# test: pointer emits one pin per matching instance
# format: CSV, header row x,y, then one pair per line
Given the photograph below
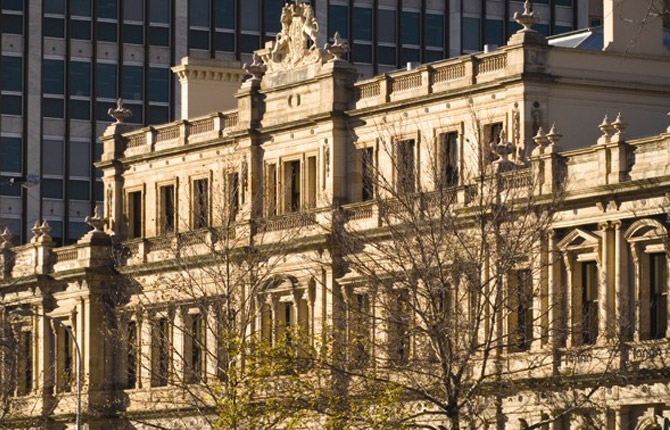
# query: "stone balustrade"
x,y
457,72
180,133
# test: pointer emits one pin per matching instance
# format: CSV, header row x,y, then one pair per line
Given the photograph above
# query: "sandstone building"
x,y
310,151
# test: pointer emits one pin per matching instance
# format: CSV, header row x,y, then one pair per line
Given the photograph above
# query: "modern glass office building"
x,y
64,62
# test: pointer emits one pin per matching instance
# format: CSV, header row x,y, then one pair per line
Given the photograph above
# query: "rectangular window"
x,y
80,8
133,10
133,33
589,302
198,15
398,326
225,14
131,355
132,88
53,78
200,203
106,9
56,230
80,78
159,11
494,32
233,194
52,189
367,174
24,363
76,230
159,84
107,31
249,15
11,155
362,26
448,161
405,166
195,343
411,31
54,6
161,353
11,72
658,296
134,214
167,213
67,361
16,5
386,32
471,34
78,190
105,82
271,187
80,159
434,31
359,329
521,298
292,179
338,20
311,182
273,10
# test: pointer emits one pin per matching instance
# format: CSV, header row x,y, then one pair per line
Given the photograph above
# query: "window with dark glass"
x,y
106,31
471,33
80,78
167,212
224,41
158,114
80,159
367,174
54,6
107,9
195,343
338,20
273,10
161,352
448,159
11,85
271,187
293,182
11,154
68,362
52,158
53,27
359,329
562,29
24,363
544,29
386,35
521,307
250,15
159,84
76,230
310,182
658,295
131,355
224,11
411,33
362,34
434,32
494,32
105,82
52,188
80,8
233,194
398,327
198,13
159,11
405,166
249,43
132,82
134,214
133,10
11,23
200,203
56,231
133,33
589,303
15,5
53,77
563,2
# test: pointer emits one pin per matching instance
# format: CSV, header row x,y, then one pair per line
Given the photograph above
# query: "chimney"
x,y
633,27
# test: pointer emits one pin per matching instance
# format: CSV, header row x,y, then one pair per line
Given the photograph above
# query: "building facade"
x,y
308,141
64,63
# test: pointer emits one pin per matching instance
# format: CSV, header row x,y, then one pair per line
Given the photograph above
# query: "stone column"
x,y
211,353
568,325
604,322
620,284
176,323
145,356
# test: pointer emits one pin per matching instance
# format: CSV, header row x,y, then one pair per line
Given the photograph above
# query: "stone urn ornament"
x,y
119,113
338,48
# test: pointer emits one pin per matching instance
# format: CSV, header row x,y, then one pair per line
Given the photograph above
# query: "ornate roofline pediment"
x,y
578,238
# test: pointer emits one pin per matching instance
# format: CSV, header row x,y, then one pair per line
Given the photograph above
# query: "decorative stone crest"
x,y
528,18
296,43
120,113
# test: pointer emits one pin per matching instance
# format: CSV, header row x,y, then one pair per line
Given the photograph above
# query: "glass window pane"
x,y
80,78
362,25
471,34
133,10
198,39
11,105
159,36
52,157
542,28
53,76
562,29
132,83
386,32
513,27
434,30
431,56
52,188
80,29
158,115
386,55
78,190
361,53
106,31
224,14
11,154
105,82
337,20
410,28
563,2
56,230
159,84
12,5
159,11
52,108
11,73
224,41
77,230
107,9
80,109
136,117
249,15
101,109
11,24
248,43
494,32
409,55
98,191
273,10
54,6
54,27
198,13
133,33
80,7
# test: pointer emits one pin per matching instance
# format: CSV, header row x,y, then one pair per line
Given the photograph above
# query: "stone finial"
x,y
256,68
45,229
37,232
619,124
119,113
96,221
540,138
502,148
606,127
5,239
528,18
553,136
338,48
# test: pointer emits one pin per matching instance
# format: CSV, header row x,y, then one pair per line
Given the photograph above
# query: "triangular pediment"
x,y
578,238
